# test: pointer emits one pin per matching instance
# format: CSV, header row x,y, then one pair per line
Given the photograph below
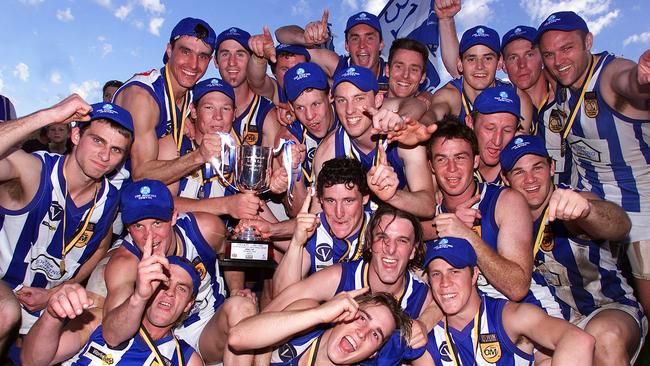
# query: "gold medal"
x,y
555,121
591,104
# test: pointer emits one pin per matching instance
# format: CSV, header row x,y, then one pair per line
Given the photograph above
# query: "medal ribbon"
x,y
154,349
450,341
177,132
227,153
249,117
574,112
540,232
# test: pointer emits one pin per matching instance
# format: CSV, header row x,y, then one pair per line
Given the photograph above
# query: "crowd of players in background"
x,y
484,223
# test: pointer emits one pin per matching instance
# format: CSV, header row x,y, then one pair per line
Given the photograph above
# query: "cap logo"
x,y
145,190
518,141
362,16
443,244
214,82
145,194
518,31
503,97
301,74
551,19
107,108
351,72
232,30
300,71
480,32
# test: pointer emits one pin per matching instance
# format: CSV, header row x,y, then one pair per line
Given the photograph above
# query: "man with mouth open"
x,y
166,287
480,330
572,231
347,329
149,215
479,55
605,112
394,172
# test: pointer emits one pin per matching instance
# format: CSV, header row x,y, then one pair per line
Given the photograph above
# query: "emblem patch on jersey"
x,y
490,347
324,252
583,150
548,242
86,236
55,211
165,360
199,266
556,120
444,352
591,104
251,136
106,358
286,352
310,154
47,266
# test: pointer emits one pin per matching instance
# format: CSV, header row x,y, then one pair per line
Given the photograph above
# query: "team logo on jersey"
x,y
48,266
324,252
548,242
583,150
311,153
444,352
55,211
490,347
251,136
199,266
106,358
556,120
286,352
85,237
591,104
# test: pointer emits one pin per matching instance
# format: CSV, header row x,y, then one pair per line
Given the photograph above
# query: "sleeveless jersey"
x,y
249,125
202,183
497,181
32,238
611,152
153,82
494,346
193,247
547,115
135,352
583,273
488,230
346,61
289,354
324,249
467,107
300,132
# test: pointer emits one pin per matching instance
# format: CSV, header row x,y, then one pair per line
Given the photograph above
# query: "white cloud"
x,y
475,12
123,11
21,71
32,2
64,15
138,24
2,84
637,38
104,3
153,6
375,6
300,8
597,13
155,24
351,4
90,90
55,77
106,49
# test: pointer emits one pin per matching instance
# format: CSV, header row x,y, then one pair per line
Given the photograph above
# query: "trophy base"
x,y
248,253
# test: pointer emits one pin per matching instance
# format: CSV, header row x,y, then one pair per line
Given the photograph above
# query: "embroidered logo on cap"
x,y
107,108
552,19
214,82
351,72
503,97
443,244
480,32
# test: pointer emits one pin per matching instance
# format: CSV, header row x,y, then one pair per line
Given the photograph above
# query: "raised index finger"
x,y
147,251
326,15
307,202
359,291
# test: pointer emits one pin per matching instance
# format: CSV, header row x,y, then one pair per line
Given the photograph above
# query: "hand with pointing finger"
x,y
412,132
382,178
150,271
466,213
385,121
316,33
306,223
566,205
342,307
262,45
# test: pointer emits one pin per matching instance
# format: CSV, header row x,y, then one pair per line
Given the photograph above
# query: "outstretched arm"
x,y
449,46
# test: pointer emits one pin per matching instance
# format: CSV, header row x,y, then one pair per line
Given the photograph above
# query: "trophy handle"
x,y
228,152
284,146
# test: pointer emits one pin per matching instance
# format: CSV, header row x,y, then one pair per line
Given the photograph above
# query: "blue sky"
x,y
54,47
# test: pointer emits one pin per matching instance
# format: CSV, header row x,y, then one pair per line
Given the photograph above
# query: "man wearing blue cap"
x,y
479,55
572,230
149,215
159,101
394,172
56,210
480,330
256,121
603,114
168,287
525,68
495,220
495,119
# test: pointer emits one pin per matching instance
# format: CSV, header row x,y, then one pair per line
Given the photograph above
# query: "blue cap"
x,y
295,49
188,27
190,269
112,112
565,21
455,251
480,35
303,76
146,199
212,85
234,33
363,18
520,31
518,147
498,99
360,76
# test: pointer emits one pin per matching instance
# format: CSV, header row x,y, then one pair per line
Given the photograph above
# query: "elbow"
x,y
581,340
517,294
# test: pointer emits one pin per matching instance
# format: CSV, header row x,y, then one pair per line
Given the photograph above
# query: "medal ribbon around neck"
x,y
576,108
171,101
540,232
313,352
154,349
455,357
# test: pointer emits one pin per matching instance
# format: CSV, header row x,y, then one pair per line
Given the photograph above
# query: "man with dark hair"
x,y
347,329
168,284
480,330
109,89
159,101
406,68
343,192
58,227
604,113
572,232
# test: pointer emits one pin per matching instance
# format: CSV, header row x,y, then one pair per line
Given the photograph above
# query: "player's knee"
x,y
238,308
10,310
610,339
